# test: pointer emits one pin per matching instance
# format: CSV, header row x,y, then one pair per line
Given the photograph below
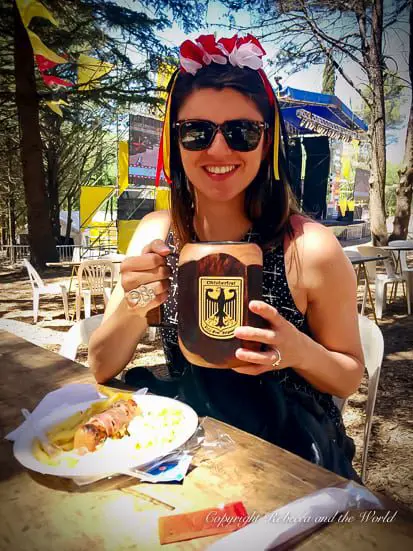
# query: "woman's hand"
x,y
148,270
281,335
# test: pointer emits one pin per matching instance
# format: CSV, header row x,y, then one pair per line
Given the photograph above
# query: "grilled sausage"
x,y
112,423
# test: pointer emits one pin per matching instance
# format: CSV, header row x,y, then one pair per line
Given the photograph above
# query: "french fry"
x,y
62,434
125,394
75,420
71,422
62,437
41,455
67,447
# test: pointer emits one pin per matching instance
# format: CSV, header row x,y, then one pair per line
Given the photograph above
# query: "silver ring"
x,y
141,296
277,361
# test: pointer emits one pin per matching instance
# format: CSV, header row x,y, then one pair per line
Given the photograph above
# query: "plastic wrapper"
x,y
202,446
299,518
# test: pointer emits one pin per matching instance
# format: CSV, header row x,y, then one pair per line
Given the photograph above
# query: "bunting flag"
x,y
45,65
41,49
32,8
54,105
90,70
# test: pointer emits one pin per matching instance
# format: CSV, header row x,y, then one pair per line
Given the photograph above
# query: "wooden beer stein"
x,y
216,281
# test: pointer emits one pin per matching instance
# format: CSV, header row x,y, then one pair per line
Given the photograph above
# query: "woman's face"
x,y
220,173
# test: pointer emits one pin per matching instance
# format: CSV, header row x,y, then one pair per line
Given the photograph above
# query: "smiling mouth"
x,y
220,171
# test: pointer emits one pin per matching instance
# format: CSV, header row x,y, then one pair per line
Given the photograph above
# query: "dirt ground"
x,y
391,446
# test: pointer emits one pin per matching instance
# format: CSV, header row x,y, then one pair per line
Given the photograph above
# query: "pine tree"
x,y
100,29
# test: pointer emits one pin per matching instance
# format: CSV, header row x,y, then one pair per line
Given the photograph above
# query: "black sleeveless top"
x,y
238,399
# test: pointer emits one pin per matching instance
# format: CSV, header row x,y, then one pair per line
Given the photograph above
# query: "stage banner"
x,y
316,176
295,162
91,199
126,229
144,138
123,164
361,183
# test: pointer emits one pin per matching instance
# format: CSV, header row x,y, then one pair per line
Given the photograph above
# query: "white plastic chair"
x,y
381,280
407,273
39,288
116,258
404,268
76,254
95,278
373,349
79,334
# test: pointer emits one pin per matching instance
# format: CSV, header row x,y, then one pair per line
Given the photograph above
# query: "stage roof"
x,y
313,113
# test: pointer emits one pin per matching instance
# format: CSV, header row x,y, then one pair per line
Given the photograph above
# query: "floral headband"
x,y
238,52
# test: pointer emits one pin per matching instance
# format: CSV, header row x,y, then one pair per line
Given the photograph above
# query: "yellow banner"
x,y
162,199
343,206
163,76
126,229
346,168
91,198
90,70
32,8
41,49
165,71
123,166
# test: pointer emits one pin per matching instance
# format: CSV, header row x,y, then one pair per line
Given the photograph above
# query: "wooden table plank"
x,y
48,513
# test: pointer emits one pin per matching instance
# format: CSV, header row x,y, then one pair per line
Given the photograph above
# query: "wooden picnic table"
x,y
45,513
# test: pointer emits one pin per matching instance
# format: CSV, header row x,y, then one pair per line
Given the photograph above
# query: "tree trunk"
x,y
374,58
11,227
404,190
69,219
42,243
12,218
52,156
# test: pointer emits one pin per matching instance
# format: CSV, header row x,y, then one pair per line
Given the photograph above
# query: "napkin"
x,y
297,518
68,395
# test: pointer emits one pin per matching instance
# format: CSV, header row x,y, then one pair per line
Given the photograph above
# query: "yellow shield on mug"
x,y
221,301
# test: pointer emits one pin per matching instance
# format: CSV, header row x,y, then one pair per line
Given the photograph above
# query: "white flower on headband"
x,y
240,52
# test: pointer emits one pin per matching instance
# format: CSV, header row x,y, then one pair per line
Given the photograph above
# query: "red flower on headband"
x,y
243,52
240,52
190,57
203,52
251,39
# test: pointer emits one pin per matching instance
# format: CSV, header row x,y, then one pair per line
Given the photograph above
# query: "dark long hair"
x,y
268,202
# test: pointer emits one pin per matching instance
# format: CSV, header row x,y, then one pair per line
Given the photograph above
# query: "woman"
x,y
224,151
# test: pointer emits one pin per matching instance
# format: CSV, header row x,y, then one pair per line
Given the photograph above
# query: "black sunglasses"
x,y
240,134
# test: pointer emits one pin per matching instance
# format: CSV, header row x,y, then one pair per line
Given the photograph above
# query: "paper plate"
x,y
165,425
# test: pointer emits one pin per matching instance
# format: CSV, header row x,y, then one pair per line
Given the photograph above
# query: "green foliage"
x,y
395,98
